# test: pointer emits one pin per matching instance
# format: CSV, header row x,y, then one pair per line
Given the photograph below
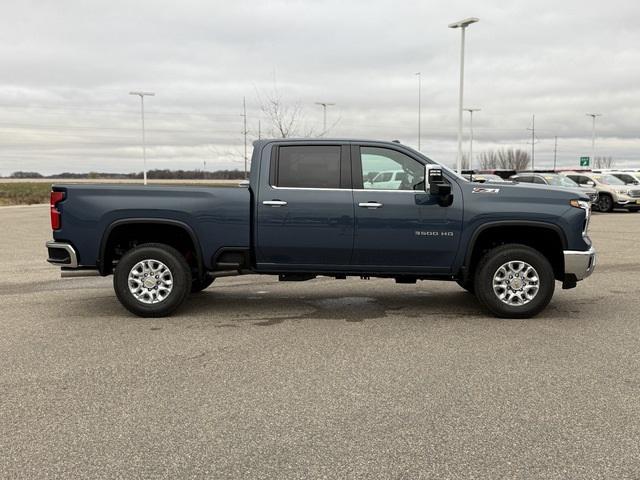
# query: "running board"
x,y
79,273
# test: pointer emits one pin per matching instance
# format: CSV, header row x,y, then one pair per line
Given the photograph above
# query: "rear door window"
x,y
308,166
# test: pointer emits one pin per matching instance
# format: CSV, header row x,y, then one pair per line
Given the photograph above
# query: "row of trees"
x,y
518,159
505,158
164,174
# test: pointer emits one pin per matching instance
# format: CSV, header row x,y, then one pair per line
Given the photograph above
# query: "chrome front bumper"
x,y
579,264
62,254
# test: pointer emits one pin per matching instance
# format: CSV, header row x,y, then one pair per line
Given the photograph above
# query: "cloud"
x,y
68,67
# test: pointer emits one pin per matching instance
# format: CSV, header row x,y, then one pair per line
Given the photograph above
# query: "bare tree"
x,y
286,119
488,160
505,158
603,162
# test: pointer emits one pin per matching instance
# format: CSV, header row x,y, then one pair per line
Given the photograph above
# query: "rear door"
x,y
401,228
305,213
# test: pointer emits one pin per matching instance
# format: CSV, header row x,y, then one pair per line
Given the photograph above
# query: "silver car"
x,y
555,180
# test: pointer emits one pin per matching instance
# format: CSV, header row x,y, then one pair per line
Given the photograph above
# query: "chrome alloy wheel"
x,y
150,281
516,283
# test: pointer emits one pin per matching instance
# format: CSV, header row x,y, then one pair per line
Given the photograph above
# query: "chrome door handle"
x,y
274,203
370,205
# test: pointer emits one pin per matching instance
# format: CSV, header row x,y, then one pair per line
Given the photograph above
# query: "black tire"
x,y
174,262
468,286
490,264
605,203
197,285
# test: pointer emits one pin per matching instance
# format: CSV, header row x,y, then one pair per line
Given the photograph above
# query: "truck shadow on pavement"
x,y
227,306
276,308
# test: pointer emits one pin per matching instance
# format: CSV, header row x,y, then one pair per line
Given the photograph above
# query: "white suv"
x,y
612,192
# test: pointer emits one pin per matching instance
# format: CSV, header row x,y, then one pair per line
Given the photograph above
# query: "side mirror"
x,y
590,183
439,187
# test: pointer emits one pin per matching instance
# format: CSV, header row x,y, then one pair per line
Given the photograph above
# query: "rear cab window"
x,y
307,166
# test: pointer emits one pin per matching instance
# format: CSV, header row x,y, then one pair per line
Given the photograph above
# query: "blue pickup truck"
x,y
318,207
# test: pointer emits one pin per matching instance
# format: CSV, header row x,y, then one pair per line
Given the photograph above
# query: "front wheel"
x,y
514,281
152,280
605,203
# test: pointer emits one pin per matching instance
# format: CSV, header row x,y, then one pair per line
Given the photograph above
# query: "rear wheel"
x,y
514,281
152,280
605,203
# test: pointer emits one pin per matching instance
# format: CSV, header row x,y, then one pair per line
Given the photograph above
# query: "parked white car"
x,y
388,180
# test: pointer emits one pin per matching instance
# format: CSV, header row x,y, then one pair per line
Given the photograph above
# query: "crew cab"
x,y
306,211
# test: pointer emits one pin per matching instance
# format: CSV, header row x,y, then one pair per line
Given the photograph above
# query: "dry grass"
x,y
24,193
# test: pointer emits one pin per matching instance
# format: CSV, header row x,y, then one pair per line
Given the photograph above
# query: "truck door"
x,y
305,213
402,228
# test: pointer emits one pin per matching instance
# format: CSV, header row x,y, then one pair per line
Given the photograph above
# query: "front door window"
x,y
386,169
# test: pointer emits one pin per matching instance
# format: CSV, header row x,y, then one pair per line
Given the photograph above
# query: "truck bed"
x,y
219,216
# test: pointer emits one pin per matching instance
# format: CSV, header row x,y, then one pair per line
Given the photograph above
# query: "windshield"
x,y
560,181
433,164
626,177
493,178
452,172
609,180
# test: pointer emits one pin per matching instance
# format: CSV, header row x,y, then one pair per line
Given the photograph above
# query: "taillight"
x,y
55,214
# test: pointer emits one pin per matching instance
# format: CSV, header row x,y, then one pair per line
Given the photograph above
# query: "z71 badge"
x,y
485,190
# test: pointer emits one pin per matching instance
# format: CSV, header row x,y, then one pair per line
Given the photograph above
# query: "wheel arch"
x,y
104,265
548,238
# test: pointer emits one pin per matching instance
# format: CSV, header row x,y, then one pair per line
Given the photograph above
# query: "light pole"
x,y
533,142
324,114
244,132
593,136
419,75
144,147
471,110
462,25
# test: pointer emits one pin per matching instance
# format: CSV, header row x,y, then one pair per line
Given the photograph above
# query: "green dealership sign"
x,y
584,161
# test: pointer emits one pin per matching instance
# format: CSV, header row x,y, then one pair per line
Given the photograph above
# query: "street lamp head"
x,y
464,23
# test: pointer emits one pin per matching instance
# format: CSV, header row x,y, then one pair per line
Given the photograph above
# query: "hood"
x,y
534,191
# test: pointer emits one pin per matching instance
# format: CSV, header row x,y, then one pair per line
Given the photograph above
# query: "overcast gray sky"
x,y
67,68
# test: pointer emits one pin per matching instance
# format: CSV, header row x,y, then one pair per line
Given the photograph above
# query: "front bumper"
x,y
578,265
62,254
627,201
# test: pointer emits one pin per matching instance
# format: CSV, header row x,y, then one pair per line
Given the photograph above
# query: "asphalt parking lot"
x,y
320,379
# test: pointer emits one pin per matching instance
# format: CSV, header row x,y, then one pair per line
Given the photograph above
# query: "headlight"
x,y
623,192
586,206
580,204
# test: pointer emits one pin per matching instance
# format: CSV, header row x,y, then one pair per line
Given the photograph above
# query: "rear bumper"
x,y
578,265
62,254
